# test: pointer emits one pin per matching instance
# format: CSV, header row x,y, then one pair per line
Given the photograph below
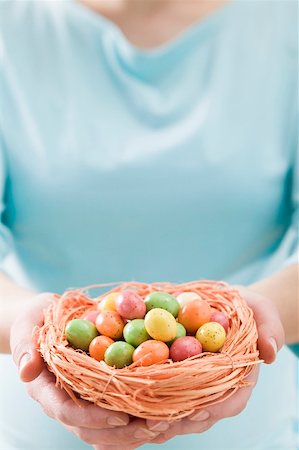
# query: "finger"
x,y
183,426
233,406
203,420
57,404
135,433
180,427
269,326
161,439
23,347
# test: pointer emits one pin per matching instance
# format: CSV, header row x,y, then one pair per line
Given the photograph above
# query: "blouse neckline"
x,y
198,29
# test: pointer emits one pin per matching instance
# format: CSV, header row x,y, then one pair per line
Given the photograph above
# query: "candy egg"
x,y
186,297
194,314
98,346
109,323
151,352
212,336
80,333
185,347
180,332
92,316
119,354
162,300
220,317
135,332
108,302
160,325
130,305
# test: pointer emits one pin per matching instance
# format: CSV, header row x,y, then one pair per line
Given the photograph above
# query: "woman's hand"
x,y
94,425
201,421
110,430
270,340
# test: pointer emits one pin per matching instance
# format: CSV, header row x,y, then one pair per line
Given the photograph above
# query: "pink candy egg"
x,y
130,305
185,347
220,317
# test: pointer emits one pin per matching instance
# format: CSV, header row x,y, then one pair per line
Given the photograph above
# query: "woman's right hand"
x,y
92,424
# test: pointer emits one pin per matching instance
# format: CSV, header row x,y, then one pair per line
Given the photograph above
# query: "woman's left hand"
x,y
270,340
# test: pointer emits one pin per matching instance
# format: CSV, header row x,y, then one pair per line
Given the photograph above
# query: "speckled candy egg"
x,y
130,305
80,333
162,300
160,325
119,354
194,314
185,347
135,332
212,336
220,317
151,352
110,323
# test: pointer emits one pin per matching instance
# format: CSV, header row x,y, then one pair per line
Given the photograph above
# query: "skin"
x,y
268,298
91,422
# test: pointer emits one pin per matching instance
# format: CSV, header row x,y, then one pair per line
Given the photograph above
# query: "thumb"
x,y
22,341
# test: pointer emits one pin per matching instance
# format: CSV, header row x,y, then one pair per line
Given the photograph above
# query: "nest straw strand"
x,y
164,391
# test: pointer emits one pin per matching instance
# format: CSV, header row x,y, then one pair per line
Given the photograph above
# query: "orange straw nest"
x,y
164,391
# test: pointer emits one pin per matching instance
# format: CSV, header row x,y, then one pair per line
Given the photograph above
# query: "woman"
x,y
152,141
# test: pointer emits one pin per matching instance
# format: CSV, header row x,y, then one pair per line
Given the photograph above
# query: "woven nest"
x,y
164,391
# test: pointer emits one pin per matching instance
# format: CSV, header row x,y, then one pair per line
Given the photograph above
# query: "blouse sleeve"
x,y
293,232
292,236
5,237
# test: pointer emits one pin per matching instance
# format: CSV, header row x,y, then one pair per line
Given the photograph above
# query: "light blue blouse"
x,y
176,163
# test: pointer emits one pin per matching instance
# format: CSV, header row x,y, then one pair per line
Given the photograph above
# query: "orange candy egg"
x,y
194,314
151,352
109,323
98,346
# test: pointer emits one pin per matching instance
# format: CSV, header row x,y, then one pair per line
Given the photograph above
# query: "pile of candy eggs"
x,y
128,329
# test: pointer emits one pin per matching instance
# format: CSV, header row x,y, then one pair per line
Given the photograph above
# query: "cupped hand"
x,y
92,424
107,430
270,340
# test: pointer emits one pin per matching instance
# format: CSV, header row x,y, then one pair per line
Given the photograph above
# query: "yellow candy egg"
x,y
212,336
108,302
186,297
160,325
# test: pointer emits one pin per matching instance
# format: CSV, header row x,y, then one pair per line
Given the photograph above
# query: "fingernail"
x,y
201,415
144,433
159,426
24,360
274,344
116,421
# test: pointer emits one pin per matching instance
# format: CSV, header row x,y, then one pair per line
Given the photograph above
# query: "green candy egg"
x,y
162,300
181,332
119,354
80,333
135,332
